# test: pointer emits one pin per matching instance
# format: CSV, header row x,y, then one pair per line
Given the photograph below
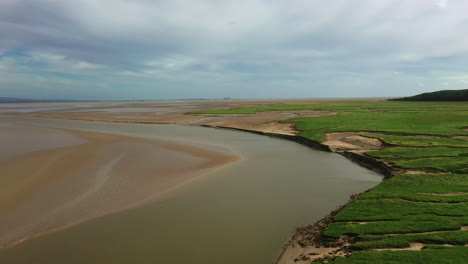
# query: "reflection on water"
x,y
242,213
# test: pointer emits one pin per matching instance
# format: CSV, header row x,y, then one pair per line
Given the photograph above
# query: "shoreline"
x,y
322,224
362,160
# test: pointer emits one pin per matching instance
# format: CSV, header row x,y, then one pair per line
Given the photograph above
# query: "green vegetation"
x,y
445,95
440,255
437,124
397,118
413,141
428,137
412,152
422,188
443,159
403,241
457,165
389,227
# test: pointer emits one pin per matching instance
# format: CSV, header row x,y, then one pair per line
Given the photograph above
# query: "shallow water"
x,y
28,110
241,213
17,140
159,110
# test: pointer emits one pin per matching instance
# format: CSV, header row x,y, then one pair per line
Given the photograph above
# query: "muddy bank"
x,y
308,242
265,122
358,157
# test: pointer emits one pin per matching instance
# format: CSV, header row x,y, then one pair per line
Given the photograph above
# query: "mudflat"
x,y
19,139
183,112
54,178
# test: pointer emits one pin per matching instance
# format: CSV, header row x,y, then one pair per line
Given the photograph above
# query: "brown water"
x,y
241,213
16,140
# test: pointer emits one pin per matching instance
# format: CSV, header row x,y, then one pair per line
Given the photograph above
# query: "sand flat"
x,y
20,139
53,188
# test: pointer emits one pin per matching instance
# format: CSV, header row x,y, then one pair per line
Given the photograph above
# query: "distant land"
x,y
444,95
26,100
13,100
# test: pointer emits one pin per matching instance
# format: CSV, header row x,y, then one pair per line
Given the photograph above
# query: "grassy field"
x,y
430,207
439,255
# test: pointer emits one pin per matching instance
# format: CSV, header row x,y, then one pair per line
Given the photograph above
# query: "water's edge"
x,y
361,160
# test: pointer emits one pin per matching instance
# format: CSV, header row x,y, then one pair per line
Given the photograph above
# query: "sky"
x,y
181,49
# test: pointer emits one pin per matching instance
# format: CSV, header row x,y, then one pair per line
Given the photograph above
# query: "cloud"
x,y
246,43
458,77
442,4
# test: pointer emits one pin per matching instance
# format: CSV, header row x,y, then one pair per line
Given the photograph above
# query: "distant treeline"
x,y
445,95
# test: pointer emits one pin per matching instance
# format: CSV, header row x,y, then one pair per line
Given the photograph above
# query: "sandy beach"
x,y
57,178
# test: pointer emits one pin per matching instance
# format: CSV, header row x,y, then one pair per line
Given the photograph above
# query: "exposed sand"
x,y
266,122
352,141
412,247
304,255
158,112
180,113
50,189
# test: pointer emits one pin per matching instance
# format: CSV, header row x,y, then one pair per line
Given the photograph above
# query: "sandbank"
x,y
82,175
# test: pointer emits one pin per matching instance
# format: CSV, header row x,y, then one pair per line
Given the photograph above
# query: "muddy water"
x,y
32,140
241,213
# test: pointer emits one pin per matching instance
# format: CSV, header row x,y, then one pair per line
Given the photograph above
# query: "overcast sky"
x,y
166,49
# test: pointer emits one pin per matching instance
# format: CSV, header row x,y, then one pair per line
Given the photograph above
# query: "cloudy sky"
x,y
163,49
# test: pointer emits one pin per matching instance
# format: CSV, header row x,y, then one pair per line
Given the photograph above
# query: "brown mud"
x,y
49,189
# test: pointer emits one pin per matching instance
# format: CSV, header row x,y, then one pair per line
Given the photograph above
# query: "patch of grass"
x,y
402,241
389,227
397,209
447,255
441,124
423,188
411,153
407,141
350,106
443,164
408,204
